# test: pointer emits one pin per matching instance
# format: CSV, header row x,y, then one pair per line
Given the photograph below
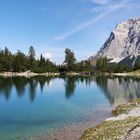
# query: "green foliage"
x,y
31,58
137,65
20,62
123,109
42,61
84,66
102,64
111,130
71,65
70,60
62,68
6,60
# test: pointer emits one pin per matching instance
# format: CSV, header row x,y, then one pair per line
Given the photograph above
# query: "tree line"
x,y
103,65
20,62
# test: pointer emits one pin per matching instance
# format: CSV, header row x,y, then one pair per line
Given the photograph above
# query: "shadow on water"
x,y
115,89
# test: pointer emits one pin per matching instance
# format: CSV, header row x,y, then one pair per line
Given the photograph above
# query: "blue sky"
x,y
53,25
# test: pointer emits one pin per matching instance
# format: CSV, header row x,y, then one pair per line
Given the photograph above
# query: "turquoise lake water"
x,y
30,106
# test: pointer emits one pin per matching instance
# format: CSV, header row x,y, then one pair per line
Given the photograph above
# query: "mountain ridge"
x,y
123,42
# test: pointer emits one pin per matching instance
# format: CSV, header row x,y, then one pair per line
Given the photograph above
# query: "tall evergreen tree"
x,y
41,61
31,58
6,60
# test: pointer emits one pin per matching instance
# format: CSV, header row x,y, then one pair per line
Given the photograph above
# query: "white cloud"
x,y
48,56
108,10
56,53
51,52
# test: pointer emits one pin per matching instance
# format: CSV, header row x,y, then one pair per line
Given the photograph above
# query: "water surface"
x,y
34,106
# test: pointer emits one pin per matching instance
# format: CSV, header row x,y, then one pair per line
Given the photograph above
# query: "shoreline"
x,y
73,131
32,74
133,73
70,74
126,74
27,74
123,125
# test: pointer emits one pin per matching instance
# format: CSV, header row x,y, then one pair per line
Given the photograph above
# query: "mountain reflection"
x,y
119,89
116,89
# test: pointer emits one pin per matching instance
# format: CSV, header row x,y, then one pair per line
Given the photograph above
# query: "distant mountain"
x,y
123,44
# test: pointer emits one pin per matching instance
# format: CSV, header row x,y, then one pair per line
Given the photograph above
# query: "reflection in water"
x,y
70,85
71,82
119,89
5,87
32,88
116,89
20,83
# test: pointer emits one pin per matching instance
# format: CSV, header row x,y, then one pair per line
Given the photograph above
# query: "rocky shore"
x,y
133,73
31,74
123,125
27,74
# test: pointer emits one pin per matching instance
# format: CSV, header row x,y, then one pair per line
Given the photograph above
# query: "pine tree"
x,y
31,58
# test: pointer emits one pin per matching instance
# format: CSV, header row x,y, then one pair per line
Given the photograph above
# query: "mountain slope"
x,y
123,42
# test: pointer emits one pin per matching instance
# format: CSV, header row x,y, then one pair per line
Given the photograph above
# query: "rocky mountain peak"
x,y
124,41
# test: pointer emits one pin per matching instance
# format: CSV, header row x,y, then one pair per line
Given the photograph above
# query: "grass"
x,y
125,108
111,130
114,130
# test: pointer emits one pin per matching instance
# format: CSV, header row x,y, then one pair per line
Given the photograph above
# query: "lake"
x,y
61,108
